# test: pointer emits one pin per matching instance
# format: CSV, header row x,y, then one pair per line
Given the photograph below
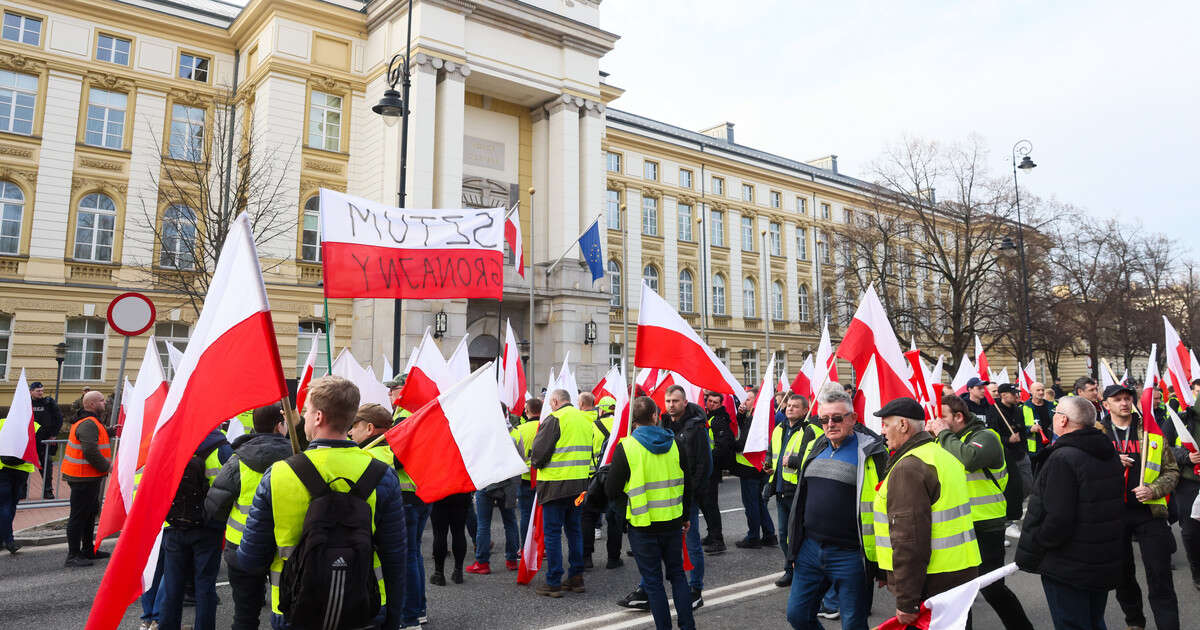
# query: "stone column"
x,y
56,162
631,269
422,124
668,285
791,300
451,115
591,170
733,292
144,161
538,219
563,174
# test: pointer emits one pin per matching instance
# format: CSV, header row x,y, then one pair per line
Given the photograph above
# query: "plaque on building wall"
x,y
484,153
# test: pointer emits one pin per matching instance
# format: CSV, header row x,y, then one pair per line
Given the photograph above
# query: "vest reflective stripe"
x,y
1153,455
572,457
289,502
952,535
523,434
212,466
987,501
655,484
74,463
790,475
1031,441
236,525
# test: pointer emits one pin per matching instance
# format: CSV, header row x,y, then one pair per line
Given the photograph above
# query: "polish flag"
x,y
867,399
1194,366
935,375
1026,379
1185,436
666,341
534,548
370,389
966,371
659,395
759,434
1002,376
459,441
870,335
387,369
803,384
1124,377
1153,434
948,610
981,362
614,385
825,357
782,385
17,435
305,377
458,366
231,364
1179,365
922,382
425,378
647,380
512,391
692,393
512,234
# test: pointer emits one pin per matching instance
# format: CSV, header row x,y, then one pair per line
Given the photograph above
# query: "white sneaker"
x,y
1013,531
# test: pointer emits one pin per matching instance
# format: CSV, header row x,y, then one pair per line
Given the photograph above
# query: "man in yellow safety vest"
x,y
562,456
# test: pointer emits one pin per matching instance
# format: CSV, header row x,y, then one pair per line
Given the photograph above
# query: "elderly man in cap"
x,y
924,533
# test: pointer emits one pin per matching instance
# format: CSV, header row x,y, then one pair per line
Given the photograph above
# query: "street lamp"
x,y
60,354
1026,165
440,322
589,333
746,365
393,106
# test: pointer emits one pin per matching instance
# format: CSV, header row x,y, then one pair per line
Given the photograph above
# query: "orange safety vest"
x,y
74,464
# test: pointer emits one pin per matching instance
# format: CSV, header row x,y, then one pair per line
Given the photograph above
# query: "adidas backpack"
x,y
328,582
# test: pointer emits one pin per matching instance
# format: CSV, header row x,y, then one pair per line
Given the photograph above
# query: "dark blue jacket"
x,y
258,542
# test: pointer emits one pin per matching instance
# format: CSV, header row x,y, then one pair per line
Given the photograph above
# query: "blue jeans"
x,y
782,507
195,551
817,567
559,516
758,517
13,485
524,506
150,606
1074,608
483,529
652,552
695,550
412,606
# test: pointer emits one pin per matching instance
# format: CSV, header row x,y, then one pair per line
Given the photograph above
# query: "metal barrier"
x,y
50,475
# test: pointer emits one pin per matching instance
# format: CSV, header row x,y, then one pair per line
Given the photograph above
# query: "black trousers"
x,y
590,522
1184,497
997,594
449,521
1156,543
81,523
709,507
249,597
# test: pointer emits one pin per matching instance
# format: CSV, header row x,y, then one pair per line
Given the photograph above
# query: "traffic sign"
x,y
131,314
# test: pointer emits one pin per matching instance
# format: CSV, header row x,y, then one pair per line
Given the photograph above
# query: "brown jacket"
x,y
913,487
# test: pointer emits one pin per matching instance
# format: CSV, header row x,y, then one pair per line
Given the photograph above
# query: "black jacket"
x,y
692,432
1072,531
723,439
258,451
49,418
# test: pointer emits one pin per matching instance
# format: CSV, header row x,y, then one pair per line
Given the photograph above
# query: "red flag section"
x,y
231,364
870,336
17,433
512,234
306,374
1179,365
803,384
425,378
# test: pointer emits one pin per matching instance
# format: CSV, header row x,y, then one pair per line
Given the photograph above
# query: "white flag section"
x,y
966,371
174,356
236,430
935,375
512,386
1002,376
369,388
15,435
1195,365
868,388
614,383
388,372
949,610
458,366
566,380
1107,378
759,436
1179,364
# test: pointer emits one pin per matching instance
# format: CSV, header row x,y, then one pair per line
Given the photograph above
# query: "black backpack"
x,y
187,508
328,582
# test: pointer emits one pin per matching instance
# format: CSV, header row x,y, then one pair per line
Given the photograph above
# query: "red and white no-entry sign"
x,y
131,314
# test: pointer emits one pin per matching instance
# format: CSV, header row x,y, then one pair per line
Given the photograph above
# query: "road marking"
x,y
627,618
732,510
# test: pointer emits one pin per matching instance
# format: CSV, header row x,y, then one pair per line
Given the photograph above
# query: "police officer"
x,y
647,475
86,461
929,486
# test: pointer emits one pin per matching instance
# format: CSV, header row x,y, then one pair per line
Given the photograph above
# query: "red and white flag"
x,y
17,434
1026,380
867,397
948,610
370,389
1153,432
534,548
758,436
118,499
458,442
426,377
458,366
512,390
1185,436
614,385
512,234
666,341
803,384
1179,365
306,376
985,372
870,335
966,372
373,250
231,364
1107,378
1194,370
825,357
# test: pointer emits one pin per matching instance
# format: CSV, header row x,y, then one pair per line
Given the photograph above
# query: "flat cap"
x,y
905,407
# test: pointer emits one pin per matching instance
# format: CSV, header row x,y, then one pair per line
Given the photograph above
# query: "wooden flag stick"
x,y
289,418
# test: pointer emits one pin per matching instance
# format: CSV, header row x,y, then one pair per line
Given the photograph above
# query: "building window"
x,y
650,275
685,222
776,199
112,49
747,234
179,238
649,216
718,297
614,283
18,100
614,354
847,216
175,334
748,297
801,205
310,237
22,29
106,119
12,213
722,355
751,367
748,193
5,344
650,170
718,186
85,349
801,243
612,203
803,303
187,133
717,228
193,67
777,301
823,246
325,121
686,304
95,222
685,178
308,334
775,238
825,210
612,161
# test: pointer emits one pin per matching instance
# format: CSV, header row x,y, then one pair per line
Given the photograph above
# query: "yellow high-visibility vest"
x,y
655,484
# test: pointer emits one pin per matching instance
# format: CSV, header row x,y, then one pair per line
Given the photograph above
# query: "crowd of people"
x,y
925,505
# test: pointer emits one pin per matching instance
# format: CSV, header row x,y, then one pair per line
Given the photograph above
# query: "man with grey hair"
x,y
1073,527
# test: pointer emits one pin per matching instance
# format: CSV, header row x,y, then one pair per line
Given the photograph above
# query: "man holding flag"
x,y
1185,493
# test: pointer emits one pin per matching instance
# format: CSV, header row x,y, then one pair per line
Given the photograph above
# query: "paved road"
x,y
37,592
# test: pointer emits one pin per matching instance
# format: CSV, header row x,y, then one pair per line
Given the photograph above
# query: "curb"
x,y
30,538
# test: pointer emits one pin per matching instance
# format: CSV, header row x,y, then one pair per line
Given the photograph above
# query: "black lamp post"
x,y
60,354
1023,148
589,333
746,365
440,324
394,106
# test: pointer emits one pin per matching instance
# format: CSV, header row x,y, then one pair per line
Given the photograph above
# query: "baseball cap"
x,y
1008,388
905,407
1113,390
35,385
975,381
395,381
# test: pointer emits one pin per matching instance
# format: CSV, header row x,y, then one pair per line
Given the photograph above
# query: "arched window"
x,y
95,221
718,294
614,283
804,303
178,238
748,297
310,236
777,300
686,304
12,213
650,275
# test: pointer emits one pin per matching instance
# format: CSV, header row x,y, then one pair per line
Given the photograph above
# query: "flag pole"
x,y
573,244
767,303
289,417
625,363
328,349
532,380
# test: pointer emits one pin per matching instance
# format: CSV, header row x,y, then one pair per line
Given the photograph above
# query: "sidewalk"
x,y
43,525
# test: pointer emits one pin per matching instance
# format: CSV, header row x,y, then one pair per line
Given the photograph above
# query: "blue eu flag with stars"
x,y
589,244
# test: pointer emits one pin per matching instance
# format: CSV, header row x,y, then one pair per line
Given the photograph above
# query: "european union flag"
x,y
589,244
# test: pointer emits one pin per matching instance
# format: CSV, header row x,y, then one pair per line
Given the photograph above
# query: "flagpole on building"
x,y
766,296
575,242
532,380
624,300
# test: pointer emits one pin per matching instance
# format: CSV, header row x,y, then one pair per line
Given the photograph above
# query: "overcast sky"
x,y
1107,92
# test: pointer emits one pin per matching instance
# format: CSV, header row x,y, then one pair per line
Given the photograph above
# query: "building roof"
x,y
217,12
